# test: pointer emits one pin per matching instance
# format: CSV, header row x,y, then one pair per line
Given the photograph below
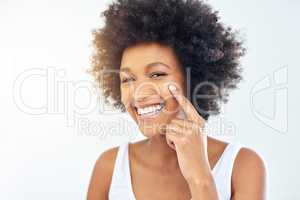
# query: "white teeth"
x,y
149,109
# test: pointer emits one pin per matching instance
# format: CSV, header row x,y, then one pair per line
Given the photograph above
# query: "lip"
x,y
149,116
146,104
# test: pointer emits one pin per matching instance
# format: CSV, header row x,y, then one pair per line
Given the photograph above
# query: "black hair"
x,y
202,44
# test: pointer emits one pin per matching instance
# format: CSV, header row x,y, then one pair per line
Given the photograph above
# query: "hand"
x,y
188,140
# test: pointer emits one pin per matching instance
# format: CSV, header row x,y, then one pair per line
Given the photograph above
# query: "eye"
x,y
157,74
127,79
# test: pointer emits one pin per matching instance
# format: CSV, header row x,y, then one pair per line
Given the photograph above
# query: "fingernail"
x,y
172,87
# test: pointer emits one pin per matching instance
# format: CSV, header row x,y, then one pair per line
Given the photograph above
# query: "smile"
x,y
151,111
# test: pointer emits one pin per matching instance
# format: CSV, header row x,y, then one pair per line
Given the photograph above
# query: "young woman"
x,y
169,63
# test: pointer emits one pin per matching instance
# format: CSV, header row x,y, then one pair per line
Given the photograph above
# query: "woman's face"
x,y
145,73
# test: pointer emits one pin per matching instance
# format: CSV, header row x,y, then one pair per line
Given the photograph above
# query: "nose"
x,y
144,90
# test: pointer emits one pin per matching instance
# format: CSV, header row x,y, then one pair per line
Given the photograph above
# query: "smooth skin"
x,y
174,162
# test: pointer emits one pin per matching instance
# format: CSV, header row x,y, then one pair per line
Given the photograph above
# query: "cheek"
x,y
125,97
172,105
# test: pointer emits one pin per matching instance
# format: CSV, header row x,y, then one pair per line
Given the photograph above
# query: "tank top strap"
x,y
119,187
223,170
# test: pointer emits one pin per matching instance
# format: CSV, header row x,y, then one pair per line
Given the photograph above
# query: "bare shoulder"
x,y
102,174
249,176
215,146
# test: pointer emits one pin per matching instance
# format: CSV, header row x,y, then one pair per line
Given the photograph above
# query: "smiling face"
x,y
145,73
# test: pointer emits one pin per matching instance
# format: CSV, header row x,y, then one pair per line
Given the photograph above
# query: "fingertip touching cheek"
x,y
146,71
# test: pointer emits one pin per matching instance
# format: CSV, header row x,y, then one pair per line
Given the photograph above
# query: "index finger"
x,y
184,103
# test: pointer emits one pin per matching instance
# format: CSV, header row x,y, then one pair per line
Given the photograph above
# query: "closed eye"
x,y
125,80
152,75
157,74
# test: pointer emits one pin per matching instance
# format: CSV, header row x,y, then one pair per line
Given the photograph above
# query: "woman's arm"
x,y
249,176
190,143
101,176
203,188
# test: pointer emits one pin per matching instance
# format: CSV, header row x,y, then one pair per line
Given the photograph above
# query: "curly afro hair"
x,y
202,44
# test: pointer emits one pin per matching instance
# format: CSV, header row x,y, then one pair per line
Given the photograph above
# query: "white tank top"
x,y
121,186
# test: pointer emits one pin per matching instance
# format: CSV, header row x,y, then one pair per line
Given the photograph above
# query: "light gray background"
x,y
48,153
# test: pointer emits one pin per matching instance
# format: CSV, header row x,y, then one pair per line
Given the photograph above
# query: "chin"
x,y
150,129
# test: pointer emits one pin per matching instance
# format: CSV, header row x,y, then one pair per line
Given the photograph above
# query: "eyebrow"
x,y
153,64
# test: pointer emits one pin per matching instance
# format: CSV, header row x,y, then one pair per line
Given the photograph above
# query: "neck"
x,y
157,150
